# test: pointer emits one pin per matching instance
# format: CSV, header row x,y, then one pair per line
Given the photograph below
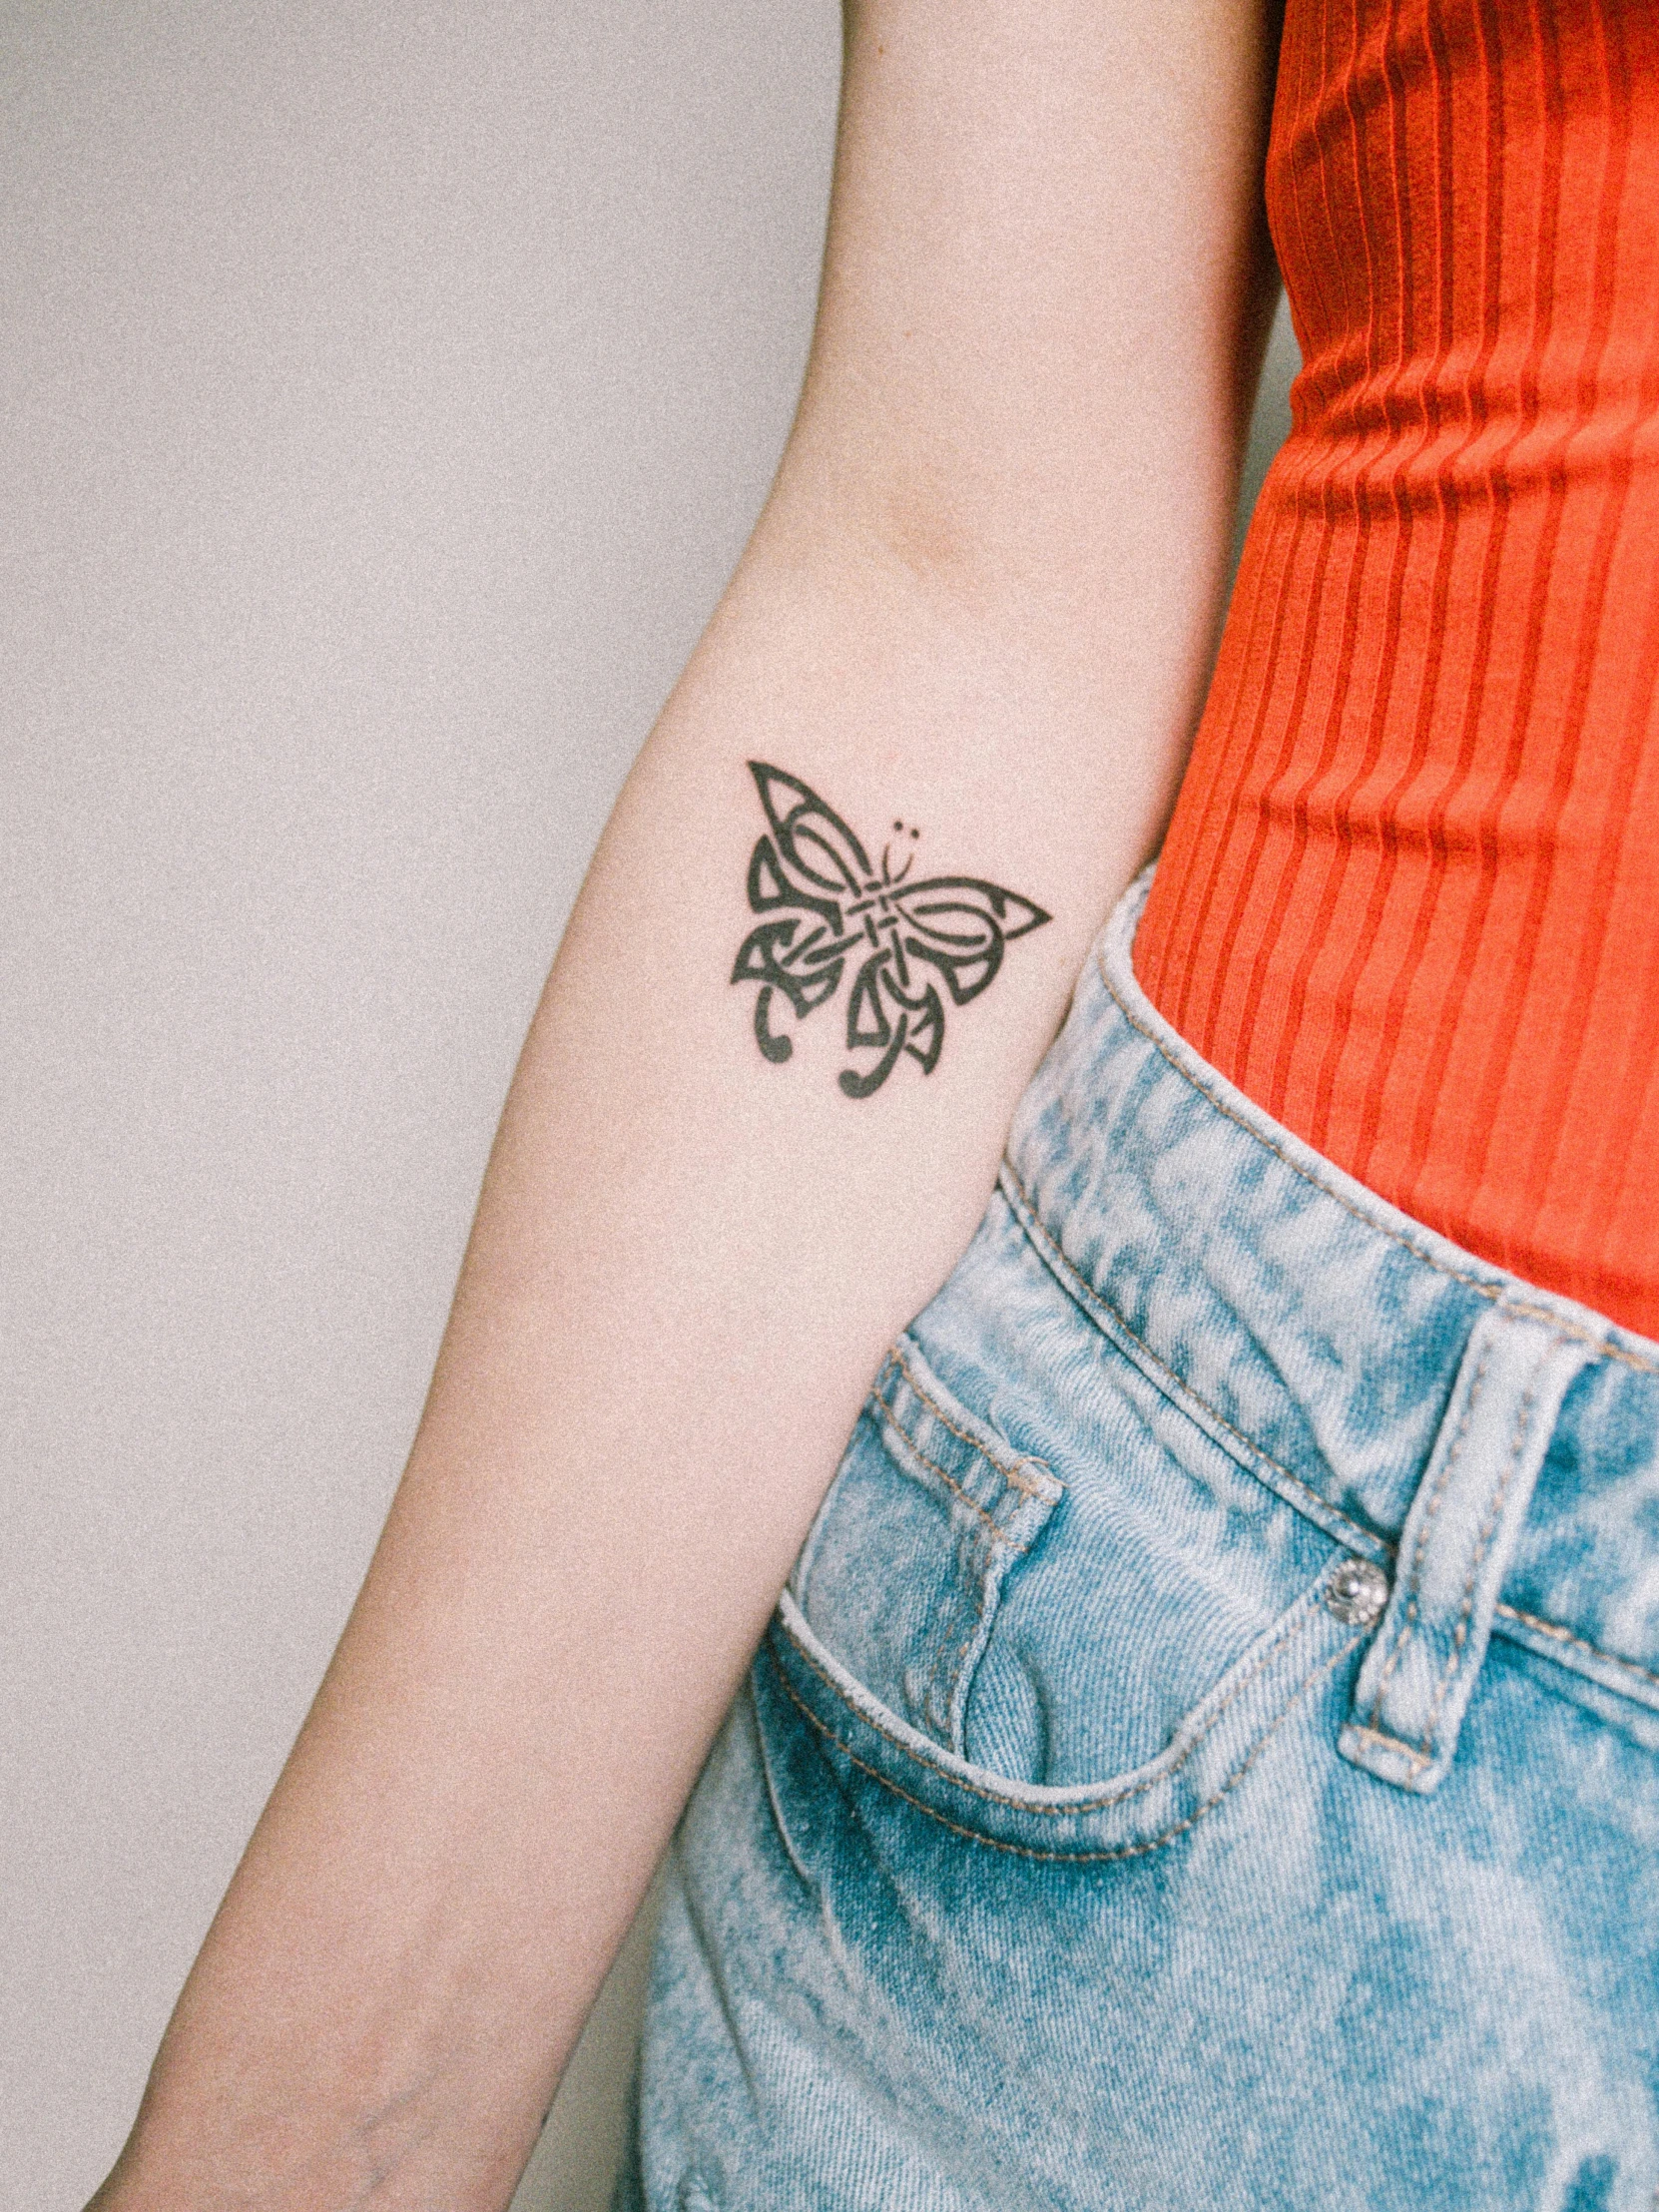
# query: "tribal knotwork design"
x,y
824,905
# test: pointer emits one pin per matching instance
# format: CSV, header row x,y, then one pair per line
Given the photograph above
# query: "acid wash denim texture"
x,y
1208,1754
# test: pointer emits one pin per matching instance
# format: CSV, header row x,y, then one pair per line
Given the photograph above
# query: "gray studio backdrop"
x,y
387,390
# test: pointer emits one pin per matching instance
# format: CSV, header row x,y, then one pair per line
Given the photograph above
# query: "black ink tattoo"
x,y
826,904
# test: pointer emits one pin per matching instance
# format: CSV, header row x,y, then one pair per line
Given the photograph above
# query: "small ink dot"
x,y
915,833
898,826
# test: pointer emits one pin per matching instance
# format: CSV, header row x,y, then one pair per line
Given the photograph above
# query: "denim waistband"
x,y
1393,1386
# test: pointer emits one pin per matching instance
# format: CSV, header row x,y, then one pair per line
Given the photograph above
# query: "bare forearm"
x,y
687,1264
985,654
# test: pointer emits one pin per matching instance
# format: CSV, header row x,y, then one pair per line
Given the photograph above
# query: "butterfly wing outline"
x,y
889,1014
802,878
963,925
821,901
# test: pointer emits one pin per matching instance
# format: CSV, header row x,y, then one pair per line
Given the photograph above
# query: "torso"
x,y
1409,899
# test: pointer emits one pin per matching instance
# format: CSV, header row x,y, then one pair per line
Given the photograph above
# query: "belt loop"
x,y
1415,1686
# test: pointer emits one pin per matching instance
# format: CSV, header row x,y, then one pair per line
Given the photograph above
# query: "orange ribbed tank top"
x,y
1409,898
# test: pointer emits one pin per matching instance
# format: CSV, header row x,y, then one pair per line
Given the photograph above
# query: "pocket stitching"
x,y
947,1719
1023,1486
1097,1804
1014,1474
1029,1851
998,1532
1013,1477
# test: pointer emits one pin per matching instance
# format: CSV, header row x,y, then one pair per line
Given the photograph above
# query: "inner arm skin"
x,y
981,599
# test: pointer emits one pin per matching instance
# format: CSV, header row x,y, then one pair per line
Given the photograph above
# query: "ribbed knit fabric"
x,y
1409,899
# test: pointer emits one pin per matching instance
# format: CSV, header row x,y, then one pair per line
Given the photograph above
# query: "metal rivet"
x,y
1357,1593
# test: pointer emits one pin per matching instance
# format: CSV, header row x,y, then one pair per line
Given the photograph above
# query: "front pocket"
x,y
1304,1658
1071,1635
904,1568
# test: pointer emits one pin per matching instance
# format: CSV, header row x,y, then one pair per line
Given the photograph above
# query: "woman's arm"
x,y
979,603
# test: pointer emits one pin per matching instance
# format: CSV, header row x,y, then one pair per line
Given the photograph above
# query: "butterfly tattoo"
x,y
825,907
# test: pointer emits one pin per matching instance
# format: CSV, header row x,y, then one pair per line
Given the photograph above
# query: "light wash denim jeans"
x,y
1208,1754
